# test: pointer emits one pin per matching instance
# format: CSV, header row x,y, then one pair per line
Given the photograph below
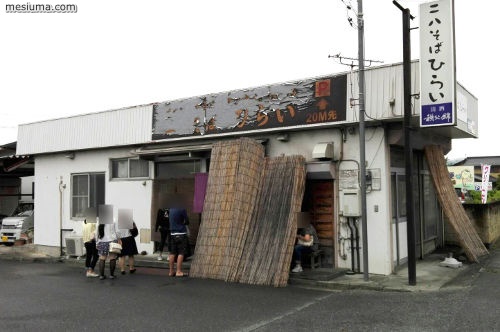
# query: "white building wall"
x,y
377,201
378,208
53,187
303,142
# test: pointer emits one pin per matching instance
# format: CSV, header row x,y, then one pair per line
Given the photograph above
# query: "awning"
x,y
10,163
165,150
172,149
320,170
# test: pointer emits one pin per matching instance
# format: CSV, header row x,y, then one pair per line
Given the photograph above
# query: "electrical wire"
x,y
350,8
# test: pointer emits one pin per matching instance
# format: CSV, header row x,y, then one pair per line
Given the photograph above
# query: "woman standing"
x,y
106,233
91,255
129,248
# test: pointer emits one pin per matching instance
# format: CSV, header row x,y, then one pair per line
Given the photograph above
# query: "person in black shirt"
x,y
178,241
162,225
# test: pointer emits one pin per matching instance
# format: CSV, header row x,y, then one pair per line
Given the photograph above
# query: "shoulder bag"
x,y
115,247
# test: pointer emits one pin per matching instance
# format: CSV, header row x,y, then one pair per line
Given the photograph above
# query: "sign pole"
x,y
408,150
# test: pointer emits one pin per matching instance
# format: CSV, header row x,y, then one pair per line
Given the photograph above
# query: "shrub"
x,y
475,196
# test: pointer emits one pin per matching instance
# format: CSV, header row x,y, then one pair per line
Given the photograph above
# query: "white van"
x,y
20,224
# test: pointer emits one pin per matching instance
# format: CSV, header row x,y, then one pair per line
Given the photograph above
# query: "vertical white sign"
x,y
437,64
485,171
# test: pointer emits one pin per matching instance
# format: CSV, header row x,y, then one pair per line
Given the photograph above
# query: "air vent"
x,y
323,151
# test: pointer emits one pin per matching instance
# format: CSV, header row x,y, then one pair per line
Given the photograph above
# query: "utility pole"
x,y
362,161
361,103
408,150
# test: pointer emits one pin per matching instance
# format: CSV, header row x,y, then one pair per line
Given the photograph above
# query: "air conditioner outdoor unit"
x,y
74,246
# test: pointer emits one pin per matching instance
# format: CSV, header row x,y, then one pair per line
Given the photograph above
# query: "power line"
x,y
350,8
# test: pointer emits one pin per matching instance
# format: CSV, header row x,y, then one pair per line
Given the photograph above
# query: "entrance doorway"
x,y
175,179
426,209
319,202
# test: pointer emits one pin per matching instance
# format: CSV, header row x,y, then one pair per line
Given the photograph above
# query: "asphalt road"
x,y
57,297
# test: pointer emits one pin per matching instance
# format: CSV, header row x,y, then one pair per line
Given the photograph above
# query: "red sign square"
x,y
322,89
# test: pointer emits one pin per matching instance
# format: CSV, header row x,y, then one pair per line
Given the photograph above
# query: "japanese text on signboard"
x,y
307,102
437,64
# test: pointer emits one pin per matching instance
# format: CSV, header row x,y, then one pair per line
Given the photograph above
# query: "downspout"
x,y
61,189
62,186
357,246
352,246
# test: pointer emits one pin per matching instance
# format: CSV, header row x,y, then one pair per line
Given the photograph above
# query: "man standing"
x,y
178,243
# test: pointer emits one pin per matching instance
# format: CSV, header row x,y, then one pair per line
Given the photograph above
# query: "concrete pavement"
x,y
430,275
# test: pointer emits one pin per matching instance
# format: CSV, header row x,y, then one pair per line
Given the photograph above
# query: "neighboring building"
x,y
137,157
467,174
16,178
476,162
484,217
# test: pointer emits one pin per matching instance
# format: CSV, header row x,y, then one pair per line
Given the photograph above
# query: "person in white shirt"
x,y
91,255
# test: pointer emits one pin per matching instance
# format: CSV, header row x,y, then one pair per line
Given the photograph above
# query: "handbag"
x,y
134,231
115,247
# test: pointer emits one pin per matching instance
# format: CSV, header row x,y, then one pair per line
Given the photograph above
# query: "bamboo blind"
x,y
269,246
249,216
453,209
232,189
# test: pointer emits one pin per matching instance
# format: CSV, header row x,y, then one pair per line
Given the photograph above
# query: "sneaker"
x,y
160,258
91,274
112,277
102,277
297,269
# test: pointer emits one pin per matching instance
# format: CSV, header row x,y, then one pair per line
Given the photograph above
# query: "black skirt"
x,y
129,247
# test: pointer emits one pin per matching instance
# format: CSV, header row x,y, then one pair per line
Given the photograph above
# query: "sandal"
x,y
181,275
132,270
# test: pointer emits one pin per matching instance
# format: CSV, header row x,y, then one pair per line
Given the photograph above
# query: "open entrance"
x,y
176,179
319,203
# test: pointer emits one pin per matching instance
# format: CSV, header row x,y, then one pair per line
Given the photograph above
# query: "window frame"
x,y
91,194
112,176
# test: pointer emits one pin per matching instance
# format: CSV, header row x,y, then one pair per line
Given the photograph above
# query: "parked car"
x,y
19,225
1,218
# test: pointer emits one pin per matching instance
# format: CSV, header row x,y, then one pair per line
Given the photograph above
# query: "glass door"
x,y
398,193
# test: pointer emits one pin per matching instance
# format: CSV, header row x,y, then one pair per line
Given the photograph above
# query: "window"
x,y
129,168
87,191
178,169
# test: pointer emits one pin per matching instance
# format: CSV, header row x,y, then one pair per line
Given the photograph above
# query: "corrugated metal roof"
x,y
112,128
477,161
128,126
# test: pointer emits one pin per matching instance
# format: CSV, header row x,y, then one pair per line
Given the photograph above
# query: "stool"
x,y
313,258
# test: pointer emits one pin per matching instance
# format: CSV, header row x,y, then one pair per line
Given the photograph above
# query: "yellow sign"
x,y
462,176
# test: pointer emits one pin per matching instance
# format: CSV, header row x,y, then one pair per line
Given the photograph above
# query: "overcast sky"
x,y
113,54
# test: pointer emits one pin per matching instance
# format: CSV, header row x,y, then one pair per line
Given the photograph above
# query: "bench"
x,y
313,259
